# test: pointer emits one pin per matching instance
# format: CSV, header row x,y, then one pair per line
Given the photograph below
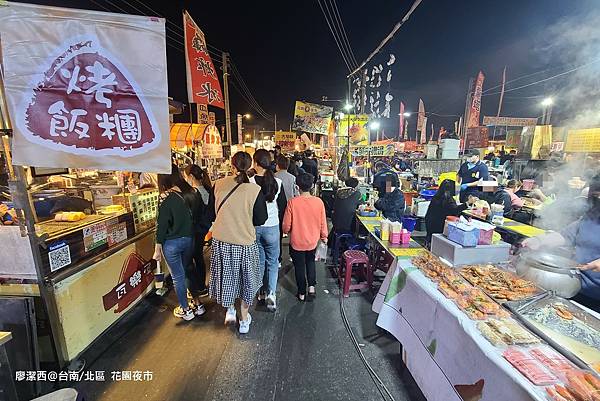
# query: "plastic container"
x,y
427,194
466,238
396,238
405,237
409,223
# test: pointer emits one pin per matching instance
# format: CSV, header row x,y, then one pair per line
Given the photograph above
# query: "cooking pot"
x,y
551,272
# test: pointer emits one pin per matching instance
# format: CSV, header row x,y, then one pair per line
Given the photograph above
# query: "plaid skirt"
x,y
233,272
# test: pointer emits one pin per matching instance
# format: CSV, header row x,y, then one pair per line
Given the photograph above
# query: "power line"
x,y
342,52
388,37
173,24
249,102
338,24
238,76
177,44
547,79
341,24
245,88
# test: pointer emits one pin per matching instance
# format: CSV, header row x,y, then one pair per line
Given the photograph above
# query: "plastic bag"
x,y
321,252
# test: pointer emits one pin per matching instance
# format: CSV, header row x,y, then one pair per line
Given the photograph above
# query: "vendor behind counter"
x,y
470,173
583,236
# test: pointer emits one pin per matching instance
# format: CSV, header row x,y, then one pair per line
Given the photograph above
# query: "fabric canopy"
x,y
185,134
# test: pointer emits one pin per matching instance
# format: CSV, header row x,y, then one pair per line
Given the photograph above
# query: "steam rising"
x,y
574,42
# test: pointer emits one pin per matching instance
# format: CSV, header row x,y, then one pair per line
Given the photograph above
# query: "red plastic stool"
x,y
359,262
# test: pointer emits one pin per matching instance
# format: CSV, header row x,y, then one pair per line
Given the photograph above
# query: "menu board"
x,y
476,137
583,140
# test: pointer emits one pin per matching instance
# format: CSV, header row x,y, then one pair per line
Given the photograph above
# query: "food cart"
x,y
79,237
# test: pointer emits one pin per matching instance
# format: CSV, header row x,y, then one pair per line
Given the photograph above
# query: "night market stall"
x,y
88,108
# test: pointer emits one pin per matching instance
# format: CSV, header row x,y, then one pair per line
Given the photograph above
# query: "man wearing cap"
x,y
470,173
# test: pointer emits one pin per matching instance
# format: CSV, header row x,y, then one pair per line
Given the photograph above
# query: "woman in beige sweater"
x,y
240,206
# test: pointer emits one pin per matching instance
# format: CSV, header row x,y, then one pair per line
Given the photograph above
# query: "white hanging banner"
x,y
86,89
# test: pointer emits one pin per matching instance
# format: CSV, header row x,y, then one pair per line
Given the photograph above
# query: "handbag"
x,y
227,196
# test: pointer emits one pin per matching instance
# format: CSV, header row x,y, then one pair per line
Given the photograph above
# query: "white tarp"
x,y
86,89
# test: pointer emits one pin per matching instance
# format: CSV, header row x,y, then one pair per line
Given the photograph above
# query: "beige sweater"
x,y
234,221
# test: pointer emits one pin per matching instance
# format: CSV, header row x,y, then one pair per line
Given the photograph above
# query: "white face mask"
x,y
299,163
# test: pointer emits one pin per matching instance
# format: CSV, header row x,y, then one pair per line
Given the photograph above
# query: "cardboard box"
x,y
465,235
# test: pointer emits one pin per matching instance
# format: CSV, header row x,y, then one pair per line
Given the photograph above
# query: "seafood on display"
x,y
500,284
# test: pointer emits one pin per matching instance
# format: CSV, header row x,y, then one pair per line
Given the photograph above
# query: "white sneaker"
x,y
272,302
245,325
185,314
230,315
199,310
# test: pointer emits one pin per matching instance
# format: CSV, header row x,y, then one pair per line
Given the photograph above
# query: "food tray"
x,y
501,285
58,228
529,367
577,339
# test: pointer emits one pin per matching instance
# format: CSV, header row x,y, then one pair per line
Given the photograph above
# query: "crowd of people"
x,y
267,196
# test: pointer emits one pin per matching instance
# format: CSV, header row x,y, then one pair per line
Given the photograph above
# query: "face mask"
x,y
470,165
299,164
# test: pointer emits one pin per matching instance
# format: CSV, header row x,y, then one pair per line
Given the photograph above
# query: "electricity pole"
x,y
226,96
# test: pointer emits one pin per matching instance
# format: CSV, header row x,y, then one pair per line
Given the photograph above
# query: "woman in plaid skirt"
x,y
234,262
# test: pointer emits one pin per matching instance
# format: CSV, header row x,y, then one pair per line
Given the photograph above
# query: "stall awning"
x,y
185,134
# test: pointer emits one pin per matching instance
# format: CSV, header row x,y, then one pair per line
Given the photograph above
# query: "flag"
x,y
432,131
401,125
475,106
424,131
203,84
86,89
421,118
406,130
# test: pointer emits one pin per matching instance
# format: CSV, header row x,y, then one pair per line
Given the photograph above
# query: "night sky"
x,y
285,51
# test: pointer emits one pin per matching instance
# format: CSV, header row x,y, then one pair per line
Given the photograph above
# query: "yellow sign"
x,y
287,140
526,230
355,127
583,140
542,142
407,252
79,298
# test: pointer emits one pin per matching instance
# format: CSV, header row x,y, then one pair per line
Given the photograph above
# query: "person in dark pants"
x,y
306,223
204,215
346,202
310,165
470,173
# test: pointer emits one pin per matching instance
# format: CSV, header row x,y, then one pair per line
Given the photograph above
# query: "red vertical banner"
x,y
401,125
421,117
202,81
475,107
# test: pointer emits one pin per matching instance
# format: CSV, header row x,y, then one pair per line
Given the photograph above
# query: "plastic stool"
x,y
358,261
337,243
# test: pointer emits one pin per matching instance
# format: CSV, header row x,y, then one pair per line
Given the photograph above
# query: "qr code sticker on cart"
x,y
59,256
